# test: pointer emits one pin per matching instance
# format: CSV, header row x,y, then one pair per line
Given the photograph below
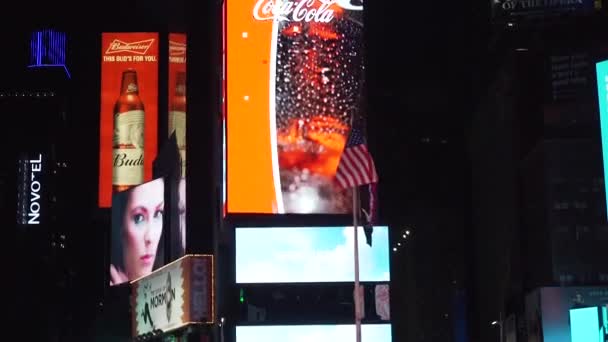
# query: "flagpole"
x,y
356,292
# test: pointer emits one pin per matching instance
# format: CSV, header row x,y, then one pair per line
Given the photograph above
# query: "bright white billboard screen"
x,y
317,333
309,255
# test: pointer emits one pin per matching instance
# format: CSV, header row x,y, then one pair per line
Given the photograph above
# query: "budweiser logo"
x,y
176,48
302,10
138,48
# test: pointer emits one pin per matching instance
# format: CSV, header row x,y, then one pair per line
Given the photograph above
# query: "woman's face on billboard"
x,y
142,227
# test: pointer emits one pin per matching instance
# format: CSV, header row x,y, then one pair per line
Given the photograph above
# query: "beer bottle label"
x,y
177,123
128,149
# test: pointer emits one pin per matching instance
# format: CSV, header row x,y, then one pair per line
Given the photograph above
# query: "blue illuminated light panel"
x,y
585,325
48,49
602,93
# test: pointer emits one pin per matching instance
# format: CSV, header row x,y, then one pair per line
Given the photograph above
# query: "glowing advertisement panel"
x,y
585,325
129,111
309,255
317,333
294,83
177,119
179,294
568,314
137,232
602,93
177,93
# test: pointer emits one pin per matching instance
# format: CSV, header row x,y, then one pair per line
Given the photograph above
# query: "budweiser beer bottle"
x,y
128,142
177,117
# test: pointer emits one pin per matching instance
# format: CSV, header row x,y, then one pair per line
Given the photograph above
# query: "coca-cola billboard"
x,y
294,83
129,111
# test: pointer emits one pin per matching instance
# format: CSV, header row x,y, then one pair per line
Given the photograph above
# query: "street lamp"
x,y
499,323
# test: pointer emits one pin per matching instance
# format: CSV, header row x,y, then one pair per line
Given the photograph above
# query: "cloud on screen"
x,y
320,254
316,333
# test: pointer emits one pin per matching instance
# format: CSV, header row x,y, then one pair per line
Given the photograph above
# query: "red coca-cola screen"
x,y
129,111
294,85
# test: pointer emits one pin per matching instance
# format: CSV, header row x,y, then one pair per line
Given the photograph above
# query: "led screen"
x,y
129,111
602,91
177,123
294,85
137,231
307,255
316,333
177,93
567,314
584,325
223,109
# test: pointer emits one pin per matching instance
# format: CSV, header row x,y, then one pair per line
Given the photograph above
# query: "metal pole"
x,y
500,322
356,231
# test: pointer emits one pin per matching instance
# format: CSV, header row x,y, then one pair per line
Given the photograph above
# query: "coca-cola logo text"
x,y
138,48
299,10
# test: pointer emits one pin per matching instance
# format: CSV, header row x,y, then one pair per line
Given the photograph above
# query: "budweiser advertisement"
x,y
177,121
129,111
177,93
179,294
294,84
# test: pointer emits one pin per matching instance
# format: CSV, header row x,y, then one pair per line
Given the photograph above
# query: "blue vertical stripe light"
x,y
39,52
48,49
602,93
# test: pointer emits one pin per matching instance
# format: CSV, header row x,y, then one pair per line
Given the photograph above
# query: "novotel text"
x,y
34,209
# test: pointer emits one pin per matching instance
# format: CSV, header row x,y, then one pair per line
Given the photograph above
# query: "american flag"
x,y
356,166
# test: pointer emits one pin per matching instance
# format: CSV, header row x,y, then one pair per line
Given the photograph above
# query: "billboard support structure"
x,y
358,293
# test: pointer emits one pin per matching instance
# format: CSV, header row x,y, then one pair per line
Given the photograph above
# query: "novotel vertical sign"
x,y
30,189
602,93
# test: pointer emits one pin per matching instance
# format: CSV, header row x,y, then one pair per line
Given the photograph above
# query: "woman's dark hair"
x,y
119,205
173,216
